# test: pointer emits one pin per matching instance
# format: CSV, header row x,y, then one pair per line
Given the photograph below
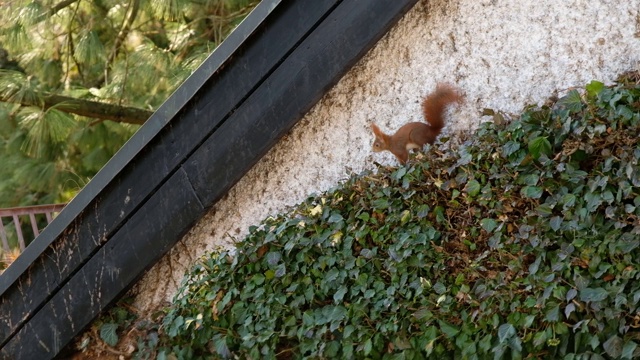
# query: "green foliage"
x,y
47,155
522,243
127,53
113,47
108,333
119,330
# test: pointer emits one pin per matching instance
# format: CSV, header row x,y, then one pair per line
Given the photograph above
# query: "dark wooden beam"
x,y
109,272
220,122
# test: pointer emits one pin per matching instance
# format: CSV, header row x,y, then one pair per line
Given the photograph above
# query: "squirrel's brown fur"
x,y
415,135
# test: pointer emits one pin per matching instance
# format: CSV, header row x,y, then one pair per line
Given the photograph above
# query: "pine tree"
x,y
69,69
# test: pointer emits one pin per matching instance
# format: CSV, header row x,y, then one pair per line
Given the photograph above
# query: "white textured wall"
x,y
503,54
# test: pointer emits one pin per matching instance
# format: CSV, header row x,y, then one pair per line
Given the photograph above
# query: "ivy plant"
x,y
522,242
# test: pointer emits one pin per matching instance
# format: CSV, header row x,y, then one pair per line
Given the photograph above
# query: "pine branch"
x,y
88,108
132,13
125,28
61,6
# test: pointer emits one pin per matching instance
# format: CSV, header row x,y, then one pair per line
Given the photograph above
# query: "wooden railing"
x,y
33,213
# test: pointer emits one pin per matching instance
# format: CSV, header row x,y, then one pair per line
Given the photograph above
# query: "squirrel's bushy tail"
x,y
434,105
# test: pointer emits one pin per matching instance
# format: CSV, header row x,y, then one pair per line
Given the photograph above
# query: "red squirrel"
x,y
415,134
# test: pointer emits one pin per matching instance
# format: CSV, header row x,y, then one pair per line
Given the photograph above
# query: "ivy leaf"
x,y
281,271
464,156
307,318
505,332
568,201
398,174
529,179
488,224
539,338
220,344
591,295
553,314
629,350
364,216
334,218
348,330
625,112
485,343
367,346
509,148
405,217
555,223
533,267
473,188
258,279
529,320
613,346
268,275
422,211
448,329
544,210
108,334
175,326
422,313
339,295
332,275
369,293
380,204
593,201
439,288
515,343
366,253
572,101
336,313
273,258
594,88
402,343
440,214
531,192
539,146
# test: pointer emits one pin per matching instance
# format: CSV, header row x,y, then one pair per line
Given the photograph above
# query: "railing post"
x,y
3,235
34,225
16,222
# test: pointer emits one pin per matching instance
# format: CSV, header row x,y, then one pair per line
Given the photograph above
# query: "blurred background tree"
x,y
78,77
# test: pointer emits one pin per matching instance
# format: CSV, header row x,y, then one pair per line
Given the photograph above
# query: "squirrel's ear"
x,y
375,128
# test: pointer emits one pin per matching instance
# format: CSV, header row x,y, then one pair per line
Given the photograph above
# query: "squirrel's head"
x,y
379,144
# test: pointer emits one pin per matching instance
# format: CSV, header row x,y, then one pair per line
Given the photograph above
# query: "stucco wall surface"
x,y
503,54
